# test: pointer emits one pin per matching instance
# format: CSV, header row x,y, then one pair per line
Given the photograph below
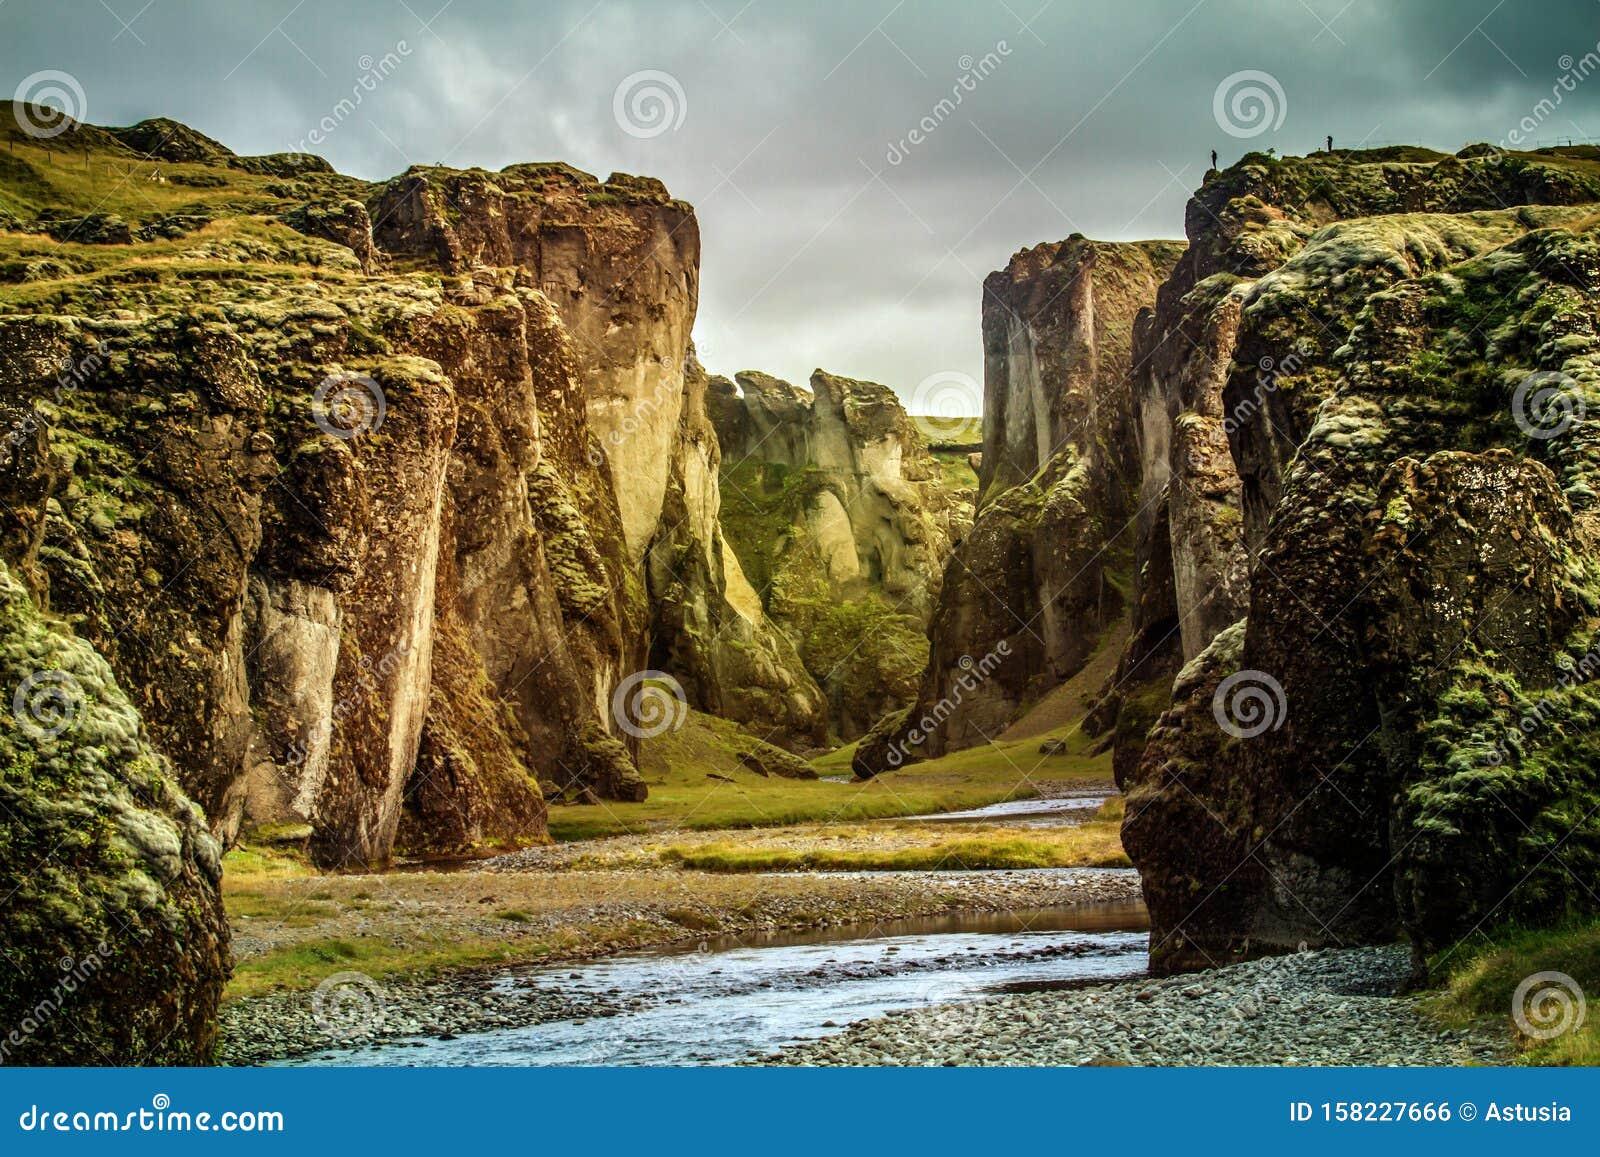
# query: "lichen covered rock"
x,y
111,921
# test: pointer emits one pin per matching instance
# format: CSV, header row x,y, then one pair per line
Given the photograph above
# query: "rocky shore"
x,y
558,919
1331,1007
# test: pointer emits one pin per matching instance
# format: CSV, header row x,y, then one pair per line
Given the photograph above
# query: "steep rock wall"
x,y
1033,585
1329,393
842,519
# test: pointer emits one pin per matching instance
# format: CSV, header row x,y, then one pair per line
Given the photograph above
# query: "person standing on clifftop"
x,y
1330,144
1213,158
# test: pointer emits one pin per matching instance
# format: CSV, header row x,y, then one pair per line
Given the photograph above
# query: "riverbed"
x,y
729,999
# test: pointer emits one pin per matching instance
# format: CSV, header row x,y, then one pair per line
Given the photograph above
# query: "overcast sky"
x,y
831,237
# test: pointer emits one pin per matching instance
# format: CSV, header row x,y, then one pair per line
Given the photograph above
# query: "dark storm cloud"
x,y
1095,118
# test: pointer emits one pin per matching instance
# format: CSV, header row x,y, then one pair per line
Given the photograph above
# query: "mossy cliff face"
x,y
1034,583
841,519
1370,520
112,912
390,618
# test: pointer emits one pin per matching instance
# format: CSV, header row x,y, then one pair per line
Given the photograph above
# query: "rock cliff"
x,y
373,496
116,942
842,519
1041,574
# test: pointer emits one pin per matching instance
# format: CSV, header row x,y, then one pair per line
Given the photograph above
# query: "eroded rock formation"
x,y
842,519
116,942
1041,574
1329,429
374,495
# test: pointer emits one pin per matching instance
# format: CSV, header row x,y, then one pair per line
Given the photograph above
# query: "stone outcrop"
x,y
1376,564
1041,574
373,496
841,518
116,942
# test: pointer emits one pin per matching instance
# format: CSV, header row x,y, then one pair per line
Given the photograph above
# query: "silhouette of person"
x,y
1213,158
1330,144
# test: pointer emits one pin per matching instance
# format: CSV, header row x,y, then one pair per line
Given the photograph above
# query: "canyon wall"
x,y
842,518
376,498
1041,575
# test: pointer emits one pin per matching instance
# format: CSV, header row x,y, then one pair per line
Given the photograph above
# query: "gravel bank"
x,y
1332,1007
574,915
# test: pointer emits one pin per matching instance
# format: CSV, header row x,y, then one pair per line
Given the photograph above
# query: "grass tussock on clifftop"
x,y
1483,984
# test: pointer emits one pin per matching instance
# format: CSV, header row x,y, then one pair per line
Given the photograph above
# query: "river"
x,y
732,998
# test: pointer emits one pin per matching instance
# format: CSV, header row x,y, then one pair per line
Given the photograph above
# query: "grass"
x,y
678,767
949,431
1480,986
1095,844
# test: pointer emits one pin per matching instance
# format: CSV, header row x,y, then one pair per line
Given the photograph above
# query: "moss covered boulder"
x,y
112,920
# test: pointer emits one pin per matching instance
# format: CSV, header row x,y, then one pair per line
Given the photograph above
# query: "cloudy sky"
x,y
831,236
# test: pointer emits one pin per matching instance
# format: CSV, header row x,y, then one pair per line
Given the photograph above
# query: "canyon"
x,y
376,520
